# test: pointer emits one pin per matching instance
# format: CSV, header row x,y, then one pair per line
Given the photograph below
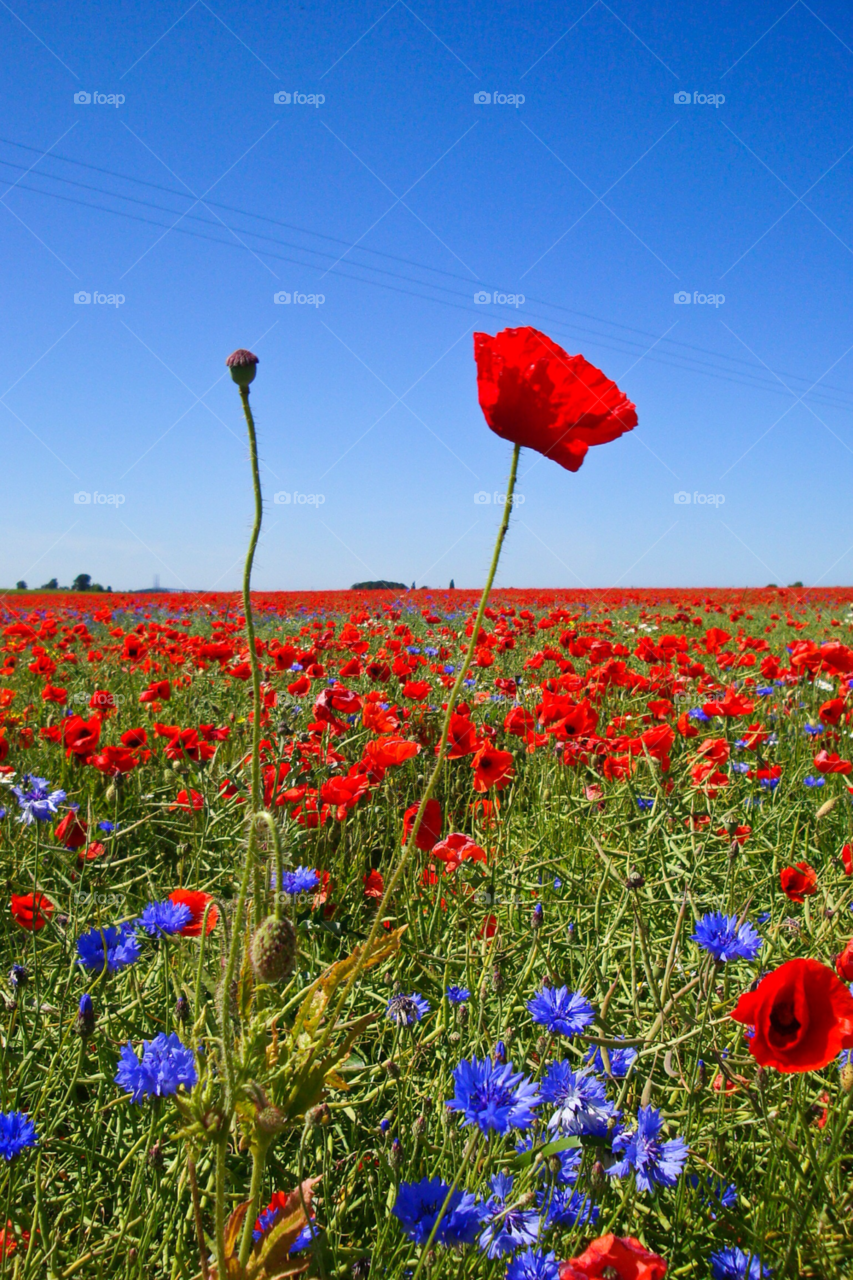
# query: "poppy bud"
x,y
392,1068
397,1154
274,950
419,1125
498,983
182,1008
635,880
597,1177
155,1157
242,364
85,1025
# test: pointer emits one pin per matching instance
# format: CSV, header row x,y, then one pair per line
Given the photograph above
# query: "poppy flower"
x,y
830,762
81,736
457,848
71,831
535,394
844,963
430,829
461,738
31,910
798,882
847,858
188,800
374,885
492,768
115,760
134,738
619,1256
802,1016
195,901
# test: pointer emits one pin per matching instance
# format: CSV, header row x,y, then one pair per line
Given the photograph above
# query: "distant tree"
x,y
413,586
452,585
53,585
83,582
21,586
109,589
796,584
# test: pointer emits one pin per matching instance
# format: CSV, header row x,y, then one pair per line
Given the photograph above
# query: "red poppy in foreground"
x,y
196,901
798,882
611,1256
535,394
31,910
430,829
802,1017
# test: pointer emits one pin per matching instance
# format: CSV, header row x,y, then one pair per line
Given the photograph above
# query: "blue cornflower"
x,y
698,714
85,1017
506,1227
448,669
580,1101
563,1012
301,880
768,784
565,1208
113,947
458,995
533,1264
165,1065
653,1162
764,691
724,1194
406,1010
499,1052
734,1264
721,936
814,782
418,1204
621,1061
39,803
645,802
558,884
493,1096
431,653
845,1058
739,766
2,813
813,730
17,1131
108,826
165,917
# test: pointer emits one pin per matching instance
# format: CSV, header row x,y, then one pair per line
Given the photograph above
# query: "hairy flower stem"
x,y
436,772
253,656
197,1218
259,1160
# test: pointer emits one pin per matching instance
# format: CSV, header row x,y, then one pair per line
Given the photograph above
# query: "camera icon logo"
x,y
681,499
482,98
281,297
282,498
482,498
281,98
82,296
681,97
482,297
82,98
82,498
682,296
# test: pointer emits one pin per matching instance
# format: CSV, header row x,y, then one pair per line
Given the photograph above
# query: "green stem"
x,y
250,632
434,776
259,1160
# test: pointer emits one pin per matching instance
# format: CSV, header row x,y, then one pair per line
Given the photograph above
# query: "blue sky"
x,y
397,199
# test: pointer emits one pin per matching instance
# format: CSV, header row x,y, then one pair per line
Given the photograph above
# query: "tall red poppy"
x,y
492,768
31,910
798,882
619,1256
535,394
801,1015
196,901
430,829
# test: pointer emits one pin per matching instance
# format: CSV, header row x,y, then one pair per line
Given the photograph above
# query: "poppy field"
x,y
429,934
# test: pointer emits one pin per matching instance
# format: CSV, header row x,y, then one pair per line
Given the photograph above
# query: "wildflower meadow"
x,y
429,934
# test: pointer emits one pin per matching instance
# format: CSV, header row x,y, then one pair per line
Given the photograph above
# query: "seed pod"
x,y
182,1008
847,1077
274,950
396,1155
635,880
155,1157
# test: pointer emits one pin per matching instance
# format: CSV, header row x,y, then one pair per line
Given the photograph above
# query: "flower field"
x,y
360,934
644,810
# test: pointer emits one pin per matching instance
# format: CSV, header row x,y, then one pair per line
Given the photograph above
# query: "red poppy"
x,y
461,737
847,858
383,753
51,693
732,705
134,738
492,768
844,963
534,394
9,1240
832,711
71,831
188,800
430,829
457,848
31,910
196,901
159,691
374,885
115,760
802,1016
830,762
798,882
81,736
614,1258
417,690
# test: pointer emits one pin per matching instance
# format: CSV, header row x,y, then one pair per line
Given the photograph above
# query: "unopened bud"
x,y
242,364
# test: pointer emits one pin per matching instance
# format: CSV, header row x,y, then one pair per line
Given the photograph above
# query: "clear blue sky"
x,y
397,199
